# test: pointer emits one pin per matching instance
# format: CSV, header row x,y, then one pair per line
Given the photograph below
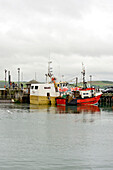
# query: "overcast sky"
x,y
68,32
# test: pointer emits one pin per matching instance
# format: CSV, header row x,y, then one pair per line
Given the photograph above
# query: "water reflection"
x,y
57,109
47,140
14,105
66,109
78,109
35,107
106,107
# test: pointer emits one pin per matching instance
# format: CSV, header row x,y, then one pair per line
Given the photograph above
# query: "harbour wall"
x,y
14,95
106,99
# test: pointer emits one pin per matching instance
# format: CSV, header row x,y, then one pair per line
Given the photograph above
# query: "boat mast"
x,y
49,75
83,73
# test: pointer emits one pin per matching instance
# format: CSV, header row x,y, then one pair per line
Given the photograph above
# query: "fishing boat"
x,y
46,93
83,97
80,96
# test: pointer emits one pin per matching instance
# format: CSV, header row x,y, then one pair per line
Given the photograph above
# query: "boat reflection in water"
x,y
38,108
78,109
65,109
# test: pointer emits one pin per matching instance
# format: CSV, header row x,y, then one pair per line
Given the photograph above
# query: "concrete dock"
x,y
106,98
14,95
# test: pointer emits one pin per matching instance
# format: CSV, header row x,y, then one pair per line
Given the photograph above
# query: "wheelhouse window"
x,y
47,87
36,87
32,87
85,94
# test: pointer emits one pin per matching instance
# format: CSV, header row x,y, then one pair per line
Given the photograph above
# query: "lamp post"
x,y
5,77
9,78
76,81
18,78
91,81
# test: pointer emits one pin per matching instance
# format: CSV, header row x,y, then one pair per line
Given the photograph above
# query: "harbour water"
x,y
55,138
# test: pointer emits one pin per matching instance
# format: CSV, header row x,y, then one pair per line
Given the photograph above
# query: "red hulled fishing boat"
x,y
80,96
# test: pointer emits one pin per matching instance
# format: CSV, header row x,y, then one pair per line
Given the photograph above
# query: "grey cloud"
x,y
71,32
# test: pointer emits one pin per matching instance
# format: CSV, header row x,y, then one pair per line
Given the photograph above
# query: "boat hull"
x,y
42,100
80,101
92,100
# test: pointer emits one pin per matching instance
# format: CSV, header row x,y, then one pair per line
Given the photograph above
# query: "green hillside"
x,y
2,83
102,84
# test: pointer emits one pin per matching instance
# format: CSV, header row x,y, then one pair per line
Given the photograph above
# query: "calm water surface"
x,y
55,138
